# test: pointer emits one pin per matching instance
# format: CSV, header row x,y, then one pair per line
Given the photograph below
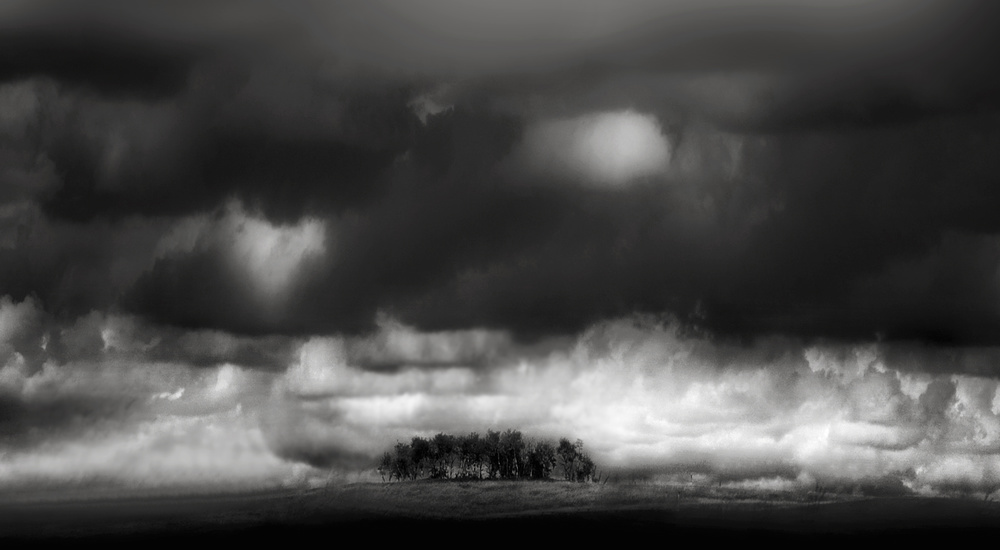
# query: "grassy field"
x,y
506,509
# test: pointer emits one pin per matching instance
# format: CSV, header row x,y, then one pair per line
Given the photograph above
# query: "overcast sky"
x,y
249,243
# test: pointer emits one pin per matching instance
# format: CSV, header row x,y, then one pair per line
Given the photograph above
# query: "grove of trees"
x,y
497,455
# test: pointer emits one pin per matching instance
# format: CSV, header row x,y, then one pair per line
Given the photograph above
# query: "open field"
x,y
506,509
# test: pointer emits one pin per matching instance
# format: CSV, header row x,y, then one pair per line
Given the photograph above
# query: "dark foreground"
x,y
500,513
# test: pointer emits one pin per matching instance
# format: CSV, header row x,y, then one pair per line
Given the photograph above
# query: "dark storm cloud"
x,y
169,108
807,239
72,269
817,162
28,422
211,348
318,455
837,207
208,146
441,209
784,64
22,332
859,206
105,61
99,337
446,36
200,289
113,48
842,214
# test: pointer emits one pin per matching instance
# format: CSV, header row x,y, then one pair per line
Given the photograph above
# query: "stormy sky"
x,y
250,243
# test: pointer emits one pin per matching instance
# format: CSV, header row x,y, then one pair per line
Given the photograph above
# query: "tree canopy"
x,y
497,455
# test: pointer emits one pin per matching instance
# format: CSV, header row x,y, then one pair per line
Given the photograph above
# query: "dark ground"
x,y
375,514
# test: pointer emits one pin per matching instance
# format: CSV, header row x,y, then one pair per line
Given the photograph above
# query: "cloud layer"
x,y
643,397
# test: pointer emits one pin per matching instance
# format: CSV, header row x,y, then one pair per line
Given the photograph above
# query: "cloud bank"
x,y
644,397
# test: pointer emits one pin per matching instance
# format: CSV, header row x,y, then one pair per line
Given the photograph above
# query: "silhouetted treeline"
x,y
497,455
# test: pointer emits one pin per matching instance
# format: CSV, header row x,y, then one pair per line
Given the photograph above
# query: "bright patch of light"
x,y
273,254
428,105
224,380
207,452
605,149
270,255
170,396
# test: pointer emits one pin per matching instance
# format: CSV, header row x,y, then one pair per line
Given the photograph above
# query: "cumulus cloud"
x,y
110,424
606,149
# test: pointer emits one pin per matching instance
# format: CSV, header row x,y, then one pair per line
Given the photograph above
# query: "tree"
x,y
402,462
585,468
474,452
385,466
567,458
499,455
541,459
511,454
576,464
421,456
493,448
442,455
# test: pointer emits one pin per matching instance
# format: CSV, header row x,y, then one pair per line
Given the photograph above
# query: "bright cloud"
x,y
221,451
607,149
107,425
645,397
270,256
639,394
